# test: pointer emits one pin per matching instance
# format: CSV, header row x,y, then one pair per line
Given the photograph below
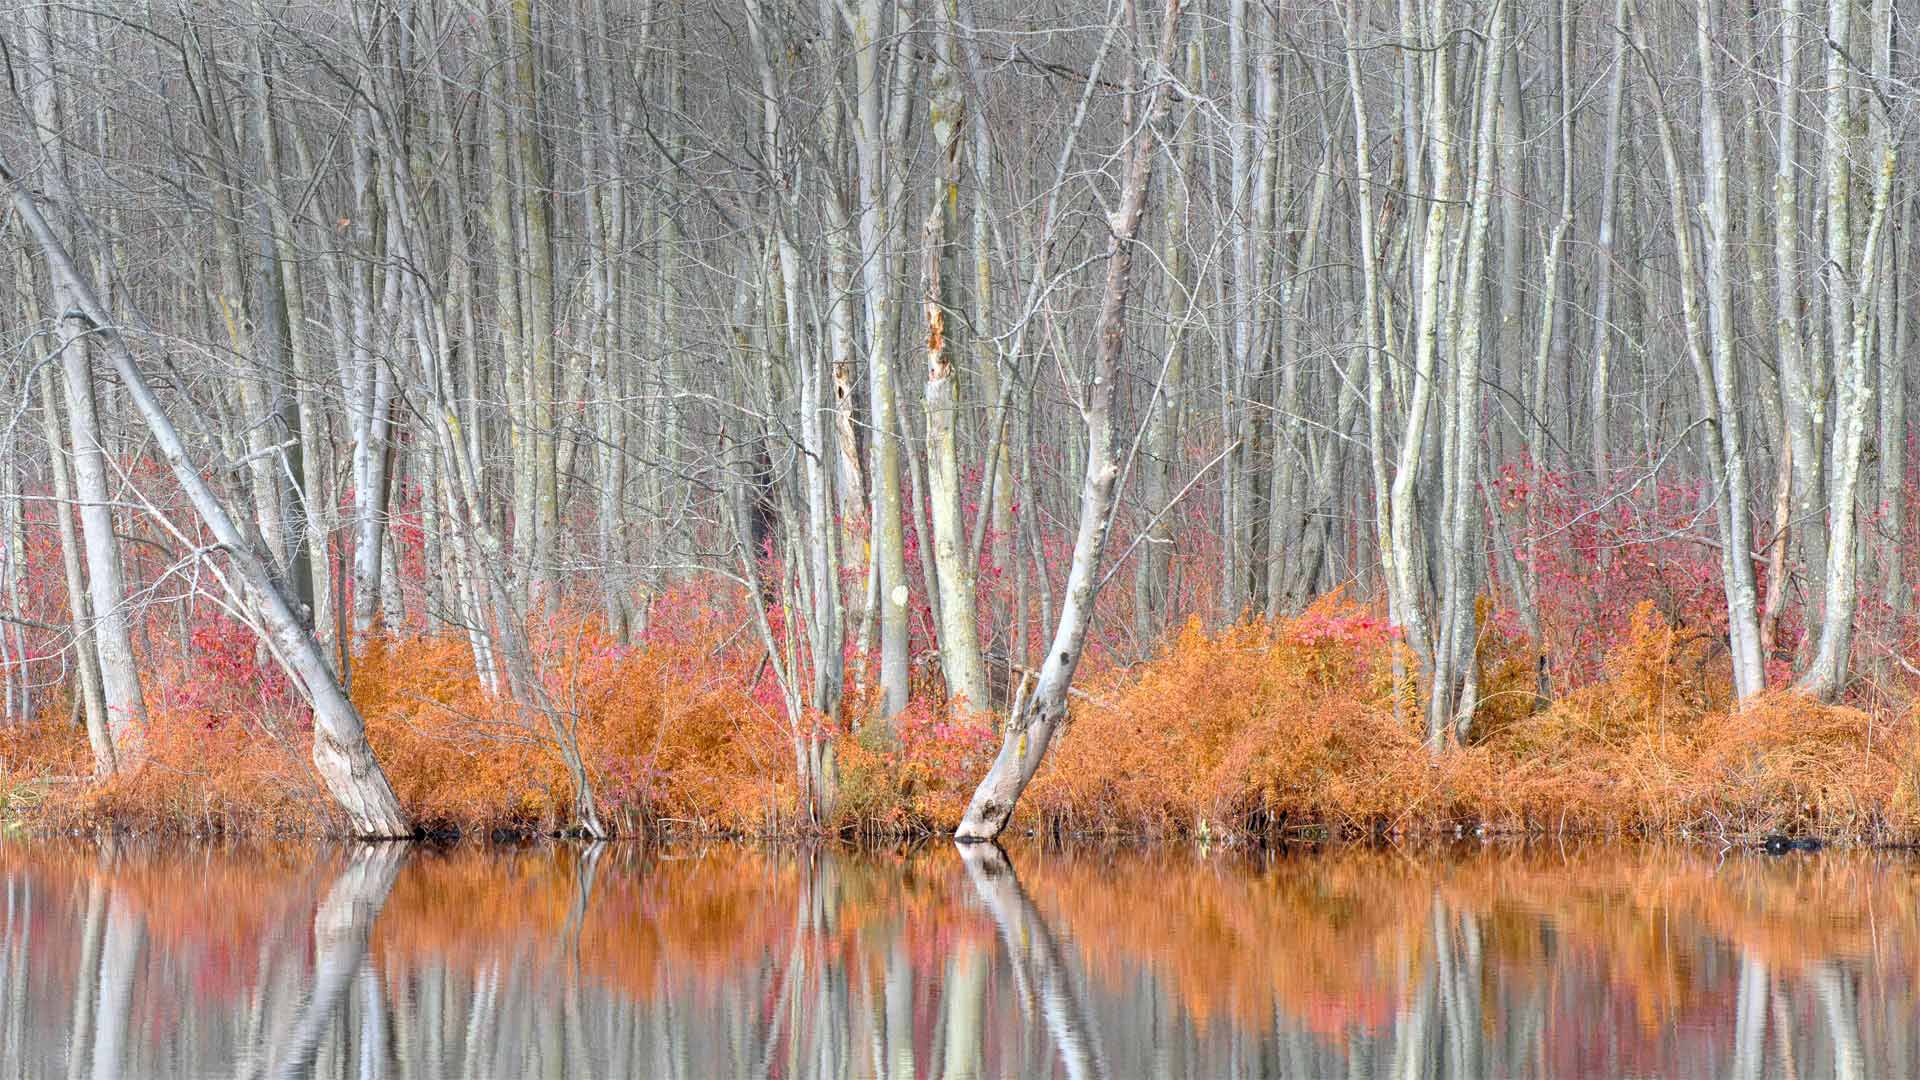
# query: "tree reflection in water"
x,y
730,961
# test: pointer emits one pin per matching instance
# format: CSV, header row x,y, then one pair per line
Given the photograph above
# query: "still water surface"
x,y
732,961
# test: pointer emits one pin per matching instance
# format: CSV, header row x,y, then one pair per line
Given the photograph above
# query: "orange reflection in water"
x,y
805,962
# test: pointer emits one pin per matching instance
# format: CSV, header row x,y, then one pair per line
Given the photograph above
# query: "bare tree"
x,y
1035,719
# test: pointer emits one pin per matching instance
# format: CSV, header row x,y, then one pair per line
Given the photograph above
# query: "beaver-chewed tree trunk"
x,y
340,751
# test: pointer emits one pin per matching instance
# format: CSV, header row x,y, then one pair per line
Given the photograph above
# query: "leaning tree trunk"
x,y
342,926
1030,729
340,751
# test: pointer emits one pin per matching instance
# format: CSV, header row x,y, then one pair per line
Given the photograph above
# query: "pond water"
x,y
736,961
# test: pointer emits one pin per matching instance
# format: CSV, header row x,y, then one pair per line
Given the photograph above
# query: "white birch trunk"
x,y
1742,611
1604,255
878,142
86,660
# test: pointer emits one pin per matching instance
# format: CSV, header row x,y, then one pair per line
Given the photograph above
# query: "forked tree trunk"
x,y
1406,586
1455,692
1854,410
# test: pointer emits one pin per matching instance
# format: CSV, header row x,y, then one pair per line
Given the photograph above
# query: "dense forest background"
x,y
620,413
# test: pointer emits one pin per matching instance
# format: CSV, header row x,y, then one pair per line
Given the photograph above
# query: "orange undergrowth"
x,y
49,747
674,730
1292,720
1309,723
1294,724
666,732
916,777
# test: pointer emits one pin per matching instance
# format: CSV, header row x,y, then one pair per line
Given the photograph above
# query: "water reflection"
x,y
952,963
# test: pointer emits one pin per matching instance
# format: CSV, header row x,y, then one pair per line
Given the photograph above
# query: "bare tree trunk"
x,y
340,751
1801,404
1604,255
878,138
1742,618
312,568
1895,321
86,660
840,299
1374,337
253,318
1028,732
1151,592
1301,480
539,294
1710,350
369,387
126,709
1826,675
17,702
1456,674
605,212
959,618
999,473
813,732
1238,358
1406,574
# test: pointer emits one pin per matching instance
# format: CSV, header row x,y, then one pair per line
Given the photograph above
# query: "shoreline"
x,y
1296,839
